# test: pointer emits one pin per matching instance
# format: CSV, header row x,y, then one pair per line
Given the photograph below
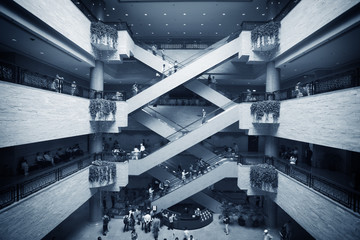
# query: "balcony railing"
x,y
16,191
345,196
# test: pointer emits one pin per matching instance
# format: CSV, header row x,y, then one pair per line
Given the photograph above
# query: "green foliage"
x,y
102,106
263,174
102,171
259,109
100,30
270,29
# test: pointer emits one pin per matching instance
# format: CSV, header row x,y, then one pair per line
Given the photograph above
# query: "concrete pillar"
x,y
97,76
272,77
270,210
95,213
271,146
96,143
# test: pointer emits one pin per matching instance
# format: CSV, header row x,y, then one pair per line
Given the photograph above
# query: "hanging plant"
x,y
101,107
264,108
102,173
103,33
264,176
265,37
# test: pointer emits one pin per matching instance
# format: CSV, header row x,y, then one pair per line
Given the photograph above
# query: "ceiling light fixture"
x,y
202,24
223,14
243,14
149,24
219,24
168,32
184,32
152,32
257,8
14,40
126,14
184,24
41,53
113,9
107,15
184,14
204,14
263,14
164,14
166,24
216,32
200,32
145,14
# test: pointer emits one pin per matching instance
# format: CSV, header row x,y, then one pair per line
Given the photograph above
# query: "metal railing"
x,y
15,192
345,196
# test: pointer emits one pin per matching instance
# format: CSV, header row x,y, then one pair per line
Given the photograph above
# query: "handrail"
x,y
344,195
201,120
14,192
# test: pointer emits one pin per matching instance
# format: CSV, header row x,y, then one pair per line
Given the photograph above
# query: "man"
x,y
171,222
267,235
106,220
147,220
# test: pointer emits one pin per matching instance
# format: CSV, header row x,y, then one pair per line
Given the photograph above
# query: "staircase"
x,y
180,191
196,67
184,140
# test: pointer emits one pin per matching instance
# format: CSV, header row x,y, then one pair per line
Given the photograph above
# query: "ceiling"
x,y
169,21
334,54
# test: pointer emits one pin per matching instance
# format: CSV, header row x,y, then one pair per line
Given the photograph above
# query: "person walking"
x,y
267,235
106,221
226,221
203,120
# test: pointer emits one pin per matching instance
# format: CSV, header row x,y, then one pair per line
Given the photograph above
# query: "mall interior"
x,y
170,106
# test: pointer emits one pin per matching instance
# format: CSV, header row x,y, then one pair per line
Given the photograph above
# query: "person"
x,y
163,71
142,150
226,221
151,193
197,212
163,54
171,222
213,83
40,159
25,167
288,230
134,235
209,80
73,87
135,153
267,235
147,220
183,175
203,120
236,148
154,49
298,92
248,95
293,160
126,223
186,234
55,85
175,66
106,221
135,89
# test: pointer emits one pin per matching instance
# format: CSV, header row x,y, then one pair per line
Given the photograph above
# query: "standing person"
x,y
267,235
142,150
55,84
226,221
135,89
236,148
171,222
163,71
106,221
183,175
175,66
163,54
126,223
73,88
209,80
203,120
61,83
186,234
134,235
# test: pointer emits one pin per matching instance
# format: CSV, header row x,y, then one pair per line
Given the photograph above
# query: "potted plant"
x,y
102,173
264,177
103,36
265,37
269,108
100,109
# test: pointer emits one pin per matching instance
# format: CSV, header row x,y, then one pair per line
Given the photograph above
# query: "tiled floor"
x,y
214,231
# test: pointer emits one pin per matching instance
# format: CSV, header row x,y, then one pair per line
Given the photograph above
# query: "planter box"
x,y
103,44
101,176
109,118
266,119
265,44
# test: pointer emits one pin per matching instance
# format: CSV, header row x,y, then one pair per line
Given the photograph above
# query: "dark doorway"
x,y
253,143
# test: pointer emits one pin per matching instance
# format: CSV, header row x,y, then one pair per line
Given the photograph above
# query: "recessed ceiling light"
x,y
219,24
243,14
136,33
202,24
113,9
237,24
14,40
107,15
216,32
184,14
272,2
200,32
279,3
184,24
223,14
263,14
204,14
149,24
41,53
126,14
132,24
145,14
248,83
152,32
295,70
76,69
168,32
164,14
257,8
166,24
184,32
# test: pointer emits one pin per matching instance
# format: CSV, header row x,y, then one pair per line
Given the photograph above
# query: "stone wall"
x,y
317,214
329,119
31,115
